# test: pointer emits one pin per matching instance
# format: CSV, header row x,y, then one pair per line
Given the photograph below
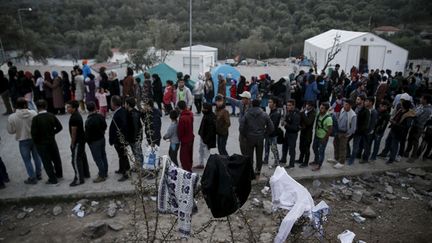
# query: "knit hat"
x,y
54,74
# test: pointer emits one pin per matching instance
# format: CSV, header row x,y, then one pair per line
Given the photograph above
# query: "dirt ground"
x,y
403,213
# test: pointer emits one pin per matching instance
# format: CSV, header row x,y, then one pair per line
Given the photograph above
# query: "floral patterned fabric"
x,y
176,194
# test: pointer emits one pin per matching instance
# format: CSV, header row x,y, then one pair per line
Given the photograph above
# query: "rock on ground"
x,y
95,230
368,212
57,210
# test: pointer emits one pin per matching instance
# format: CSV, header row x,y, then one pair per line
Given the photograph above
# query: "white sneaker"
x,y
338,166
332,161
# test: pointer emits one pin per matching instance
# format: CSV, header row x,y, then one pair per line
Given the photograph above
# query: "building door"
x,y
353,57
364,59
376,57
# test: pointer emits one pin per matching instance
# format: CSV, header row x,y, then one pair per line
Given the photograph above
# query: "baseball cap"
x,y
245,94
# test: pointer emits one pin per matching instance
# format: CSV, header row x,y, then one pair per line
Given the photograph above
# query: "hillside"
x,y
252,28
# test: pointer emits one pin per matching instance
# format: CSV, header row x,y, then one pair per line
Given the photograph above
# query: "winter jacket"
x,y
157,90
168,96
95,127
128,86
222,121
256,124
254,91
135,129
382,122
90,91
171,133
207,130
363,118
209,89
79,88
185,127
19,123
307,121
292,121
44,128
401,127
153,125
233,91
275,117
222,87
86,71
188,97
119,124
311,92
226,183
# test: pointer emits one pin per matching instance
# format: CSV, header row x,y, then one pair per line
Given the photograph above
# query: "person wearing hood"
x,y
221,84
19,123
57,93
311,89
185,135
399,126
207,132
255,126
157,90
85,69
208,88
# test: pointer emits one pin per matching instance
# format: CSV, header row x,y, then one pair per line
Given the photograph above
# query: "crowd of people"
x,y
357,109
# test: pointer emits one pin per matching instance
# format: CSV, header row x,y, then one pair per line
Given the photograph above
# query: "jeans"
x,y
394,146
271,144
356,147
256,144
173,152
98,152
340,146
233,107
27,151
204,153
290,144
305,143
221,144
138,152
319,146
376,145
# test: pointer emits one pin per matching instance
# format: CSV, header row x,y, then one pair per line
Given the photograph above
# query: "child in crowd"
x,y
101,96
171,135
169,96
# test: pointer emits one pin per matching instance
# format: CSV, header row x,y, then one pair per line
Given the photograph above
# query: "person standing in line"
x,y
367,142
346,126
135,129
323,130
363,118
44,127
183,93
222,125
207,132
128,84
169,97
151,117
77,146
233,94
57,93
19,123
221,84
271,140
86,70
95,127
255,126
118,132
209,91
157,90
380,128
80,89
307,120
291,123
198,94
172,136
185,135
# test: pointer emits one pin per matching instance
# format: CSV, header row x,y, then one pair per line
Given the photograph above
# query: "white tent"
x,y
360,49
202,48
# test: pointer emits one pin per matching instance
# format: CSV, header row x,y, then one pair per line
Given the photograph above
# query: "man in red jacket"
x,y
185,135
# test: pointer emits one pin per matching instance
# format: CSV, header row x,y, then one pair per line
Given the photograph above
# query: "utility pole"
x,y
190,38
20,19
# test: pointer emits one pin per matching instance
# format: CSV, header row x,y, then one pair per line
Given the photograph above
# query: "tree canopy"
x,y
255,28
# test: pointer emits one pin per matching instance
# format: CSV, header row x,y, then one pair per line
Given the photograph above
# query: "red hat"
x,y
262,77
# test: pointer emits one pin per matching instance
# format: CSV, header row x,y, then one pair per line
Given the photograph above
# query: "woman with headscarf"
x,y
39,86
48,91
57,93
157,90
66,86
90,94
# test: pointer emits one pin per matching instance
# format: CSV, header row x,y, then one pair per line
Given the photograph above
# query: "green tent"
x,y
164,71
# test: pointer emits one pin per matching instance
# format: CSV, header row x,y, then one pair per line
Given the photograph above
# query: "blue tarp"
x,y
225,70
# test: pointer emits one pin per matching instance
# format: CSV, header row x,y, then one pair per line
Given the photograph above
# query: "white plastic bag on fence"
x,y
151,157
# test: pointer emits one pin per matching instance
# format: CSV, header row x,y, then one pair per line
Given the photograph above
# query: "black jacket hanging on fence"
x,y
226,183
